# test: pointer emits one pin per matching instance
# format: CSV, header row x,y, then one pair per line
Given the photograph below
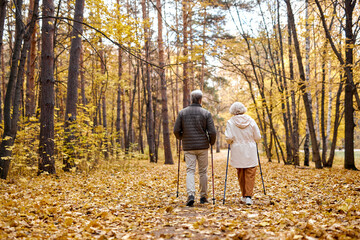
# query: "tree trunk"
x,y
104,111
329,114
186,91
74,62
349,89
136,77
337,121
2,77
177,100
164,101
218,137
122,99
8,138
322,120
102,105
316,97
302,86
98,106
295,129
149,110
17,102
157,127
203,60
190,67
72,86
129,94
140,112
18,72
47,102
2,23
118,99
82,79
285,94
307,77
104,117
95,89
31,61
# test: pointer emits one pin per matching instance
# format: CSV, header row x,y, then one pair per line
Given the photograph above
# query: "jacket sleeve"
x,y
256,132
228,134
178,131
211,129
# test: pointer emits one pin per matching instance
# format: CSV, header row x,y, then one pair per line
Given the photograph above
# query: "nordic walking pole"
x,y
177,191
212,170
227,165
262,179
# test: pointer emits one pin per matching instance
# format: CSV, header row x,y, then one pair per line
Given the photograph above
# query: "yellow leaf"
x,y
169,209
264,224
68,221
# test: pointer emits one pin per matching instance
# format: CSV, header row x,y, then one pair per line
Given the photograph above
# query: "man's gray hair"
x,y
196,96
237,108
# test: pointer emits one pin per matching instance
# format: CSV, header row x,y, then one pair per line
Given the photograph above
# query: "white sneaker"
x,y
248,201
243,200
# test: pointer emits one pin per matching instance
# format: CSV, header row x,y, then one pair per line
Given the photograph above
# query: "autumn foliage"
x,y
134,199
89,96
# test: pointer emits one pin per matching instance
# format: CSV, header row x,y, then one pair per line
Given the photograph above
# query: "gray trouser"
x,y
201,156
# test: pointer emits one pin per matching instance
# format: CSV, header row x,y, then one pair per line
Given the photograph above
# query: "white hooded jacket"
x,y
242,133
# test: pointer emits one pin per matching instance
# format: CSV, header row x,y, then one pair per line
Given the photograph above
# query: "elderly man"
x,y
195,127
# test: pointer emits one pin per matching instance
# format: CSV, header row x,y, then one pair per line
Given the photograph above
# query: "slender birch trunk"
x,y
330,99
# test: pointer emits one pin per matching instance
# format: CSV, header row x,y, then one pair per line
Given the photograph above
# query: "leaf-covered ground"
x,y
137,200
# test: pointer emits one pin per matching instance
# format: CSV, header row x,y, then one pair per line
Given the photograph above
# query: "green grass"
x,y
338,159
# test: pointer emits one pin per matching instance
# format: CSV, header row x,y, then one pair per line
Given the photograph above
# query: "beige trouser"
x,y
246,177
201,156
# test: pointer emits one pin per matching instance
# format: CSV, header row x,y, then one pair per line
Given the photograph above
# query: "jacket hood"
x,y
241,121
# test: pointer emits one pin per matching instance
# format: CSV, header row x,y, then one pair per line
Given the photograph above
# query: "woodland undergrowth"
x,y
134,199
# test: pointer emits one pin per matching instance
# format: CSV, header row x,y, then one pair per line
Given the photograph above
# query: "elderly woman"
x,y
242,133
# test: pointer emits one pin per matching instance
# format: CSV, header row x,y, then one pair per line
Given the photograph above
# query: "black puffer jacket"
x,y
195,127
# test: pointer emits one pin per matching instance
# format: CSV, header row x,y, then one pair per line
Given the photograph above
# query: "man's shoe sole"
x,y
190,203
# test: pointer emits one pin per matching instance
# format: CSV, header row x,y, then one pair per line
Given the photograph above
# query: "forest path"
x,y
137,200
